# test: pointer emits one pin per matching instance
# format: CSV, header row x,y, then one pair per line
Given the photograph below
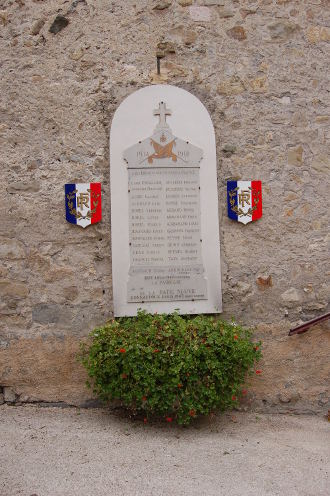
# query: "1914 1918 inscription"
x,y
164,218
164,205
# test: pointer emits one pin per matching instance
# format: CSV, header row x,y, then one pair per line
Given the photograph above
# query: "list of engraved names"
x,y
164,233
164,213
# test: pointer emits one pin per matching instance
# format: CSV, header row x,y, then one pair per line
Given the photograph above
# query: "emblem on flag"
x,y
244,200
83,203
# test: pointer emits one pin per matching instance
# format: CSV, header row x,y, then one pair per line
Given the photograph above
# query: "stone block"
x,y
9,395
282,30
60,22
13,289
28,187
264,282
162,4
295,155
34,164
11,249
288,396
237,33
231,86
242,288
4,17
51,313
37,26
324,399
321,164
228,150
54,274
2,399
290,296
317,34
175,70
185,3
285,100
200,14
258,84
77,54
180,34
189,37
70,293
322,119
212,3
225,13
245,12
166,47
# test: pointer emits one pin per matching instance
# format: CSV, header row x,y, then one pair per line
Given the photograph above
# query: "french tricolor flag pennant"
x,y
83,203
244,200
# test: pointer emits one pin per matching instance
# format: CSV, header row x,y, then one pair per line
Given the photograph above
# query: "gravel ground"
x,y
69,452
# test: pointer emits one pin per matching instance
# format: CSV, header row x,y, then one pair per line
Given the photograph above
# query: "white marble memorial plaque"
x,y
161,183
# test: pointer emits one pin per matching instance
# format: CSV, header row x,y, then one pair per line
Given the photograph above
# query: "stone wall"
x,y
261,69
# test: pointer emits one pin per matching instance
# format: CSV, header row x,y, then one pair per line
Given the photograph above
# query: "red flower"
x,y
244,391
156,351
258,372
235,336
145,420
192,413
256,348
124,376
168,419
179,385
144,398
122,350
233,398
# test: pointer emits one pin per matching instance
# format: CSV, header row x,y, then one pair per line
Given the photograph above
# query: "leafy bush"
x,y
169,365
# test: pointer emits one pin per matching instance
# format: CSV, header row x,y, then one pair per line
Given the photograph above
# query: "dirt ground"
x,y
71,452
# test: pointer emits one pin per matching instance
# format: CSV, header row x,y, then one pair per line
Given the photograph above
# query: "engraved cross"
x,y
162,111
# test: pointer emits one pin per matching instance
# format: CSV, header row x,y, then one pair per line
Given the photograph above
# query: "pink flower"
x,y
168,419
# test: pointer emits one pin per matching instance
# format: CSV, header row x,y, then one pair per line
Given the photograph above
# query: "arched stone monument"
x,y
164,205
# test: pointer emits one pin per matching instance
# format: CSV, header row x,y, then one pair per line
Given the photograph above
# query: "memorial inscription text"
x,y
164,221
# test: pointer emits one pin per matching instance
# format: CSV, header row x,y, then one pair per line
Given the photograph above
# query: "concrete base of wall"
x,y
293,378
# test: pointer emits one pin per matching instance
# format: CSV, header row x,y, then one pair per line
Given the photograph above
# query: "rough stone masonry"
x,y
261,68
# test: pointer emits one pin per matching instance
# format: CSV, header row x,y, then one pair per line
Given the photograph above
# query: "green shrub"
x,y
169,365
